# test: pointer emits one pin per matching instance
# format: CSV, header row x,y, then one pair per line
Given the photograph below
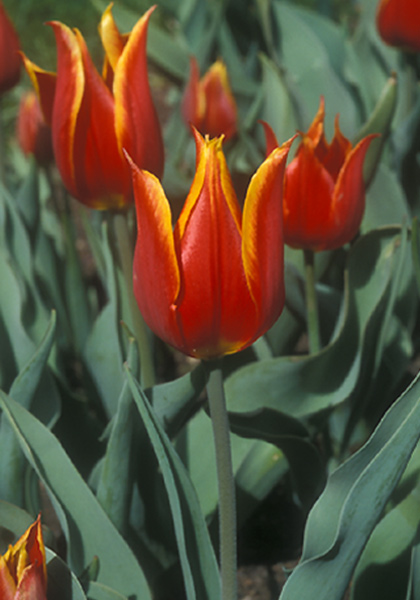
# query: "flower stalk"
x,y
311,302
226,481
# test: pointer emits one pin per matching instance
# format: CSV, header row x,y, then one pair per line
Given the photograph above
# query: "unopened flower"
x,y
398,23
208,104
23,572
33,134
324,192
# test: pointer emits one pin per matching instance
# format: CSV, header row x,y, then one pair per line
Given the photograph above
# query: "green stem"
x,y
126,252
311,303
226,482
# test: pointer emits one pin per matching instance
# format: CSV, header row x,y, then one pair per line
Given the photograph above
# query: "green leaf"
x,y
308,64
291,437
115,485
174,402
104,360
199,567
98,591
12,460
62,584
343,518
14,521
278,109
88,530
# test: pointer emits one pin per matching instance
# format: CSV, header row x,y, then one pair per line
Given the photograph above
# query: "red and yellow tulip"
x,y
33,134
324,191
214,284
91,122
398,23
9,53
208,104
23,572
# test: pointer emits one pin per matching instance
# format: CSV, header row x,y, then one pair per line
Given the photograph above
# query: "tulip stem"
x,y
311,302
125,251
226,481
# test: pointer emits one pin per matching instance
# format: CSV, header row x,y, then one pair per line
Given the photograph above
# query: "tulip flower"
x,y
91,123
33,134
324,192
23,572
208,104
214,284
398,23
9,57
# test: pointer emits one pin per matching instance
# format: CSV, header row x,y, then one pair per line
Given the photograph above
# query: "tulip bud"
x,y
33,134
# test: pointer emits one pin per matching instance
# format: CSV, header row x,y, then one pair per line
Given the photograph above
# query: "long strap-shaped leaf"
x,y
198,562
356,493
88,530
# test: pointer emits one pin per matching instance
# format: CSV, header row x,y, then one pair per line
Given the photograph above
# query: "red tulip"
x,y
324,192
208,104
398,23
33,134
214,284
23,572
9,53
91,125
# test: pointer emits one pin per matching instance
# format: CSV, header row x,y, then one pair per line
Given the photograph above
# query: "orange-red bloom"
x,y
91,123
33,134
9,57
23,572
324,192
208,104
398,23
214,284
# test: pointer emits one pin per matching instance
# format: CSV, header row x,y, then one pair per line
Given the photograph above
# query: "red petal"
x,y
220,110
348,204
9,53
217,313
398,23
262,241
307,200
193,101
44,83
156,271
136,121
31,586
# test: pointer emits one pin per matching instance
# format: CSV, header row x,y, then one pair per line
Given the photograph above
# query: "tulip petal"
x,y
262,237
398,23
220,111
193,101
216,310
307,200
156,271
136,122
44,83
348,202
112,40
336,152
31,585
271,142
9,53
7,584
